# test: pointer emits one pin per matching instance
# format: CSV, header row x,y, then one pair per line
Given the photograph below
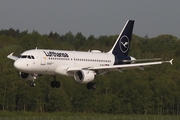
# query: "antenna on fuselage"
x,y
36,48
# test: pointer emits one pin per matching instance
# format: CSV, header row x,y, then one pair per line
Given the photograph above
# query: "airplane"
x,y
84,66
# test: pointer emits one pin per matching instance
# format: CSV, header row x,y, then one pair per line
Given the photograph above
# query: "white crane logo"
x,y
124,44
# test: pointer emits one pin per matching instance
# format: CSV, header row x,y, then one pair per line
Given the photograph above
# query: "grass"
x,y
79,116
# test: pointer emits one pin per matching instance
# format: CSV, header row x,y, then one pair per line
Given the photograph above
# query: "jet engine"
x,y
84,76
26,76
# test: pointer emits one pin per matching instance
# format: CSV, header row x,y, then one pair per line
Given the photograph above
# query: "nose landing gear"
x,y
33,84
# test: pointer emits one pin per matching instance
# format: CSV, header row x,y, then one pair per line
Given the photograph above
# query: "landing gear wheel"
x,y
55,84
91,86
32,84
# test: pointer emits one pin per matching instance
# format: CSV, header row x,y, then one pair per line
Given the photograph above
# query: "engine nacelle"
x,y
84,76
26,76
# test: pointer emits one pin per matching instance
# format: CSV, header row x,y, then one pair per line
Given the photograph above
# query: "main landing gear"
x,y
55,84
91,85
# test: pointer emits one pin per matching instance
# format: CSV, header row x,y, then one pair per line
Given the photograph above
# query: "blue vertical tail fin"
x,y
122,44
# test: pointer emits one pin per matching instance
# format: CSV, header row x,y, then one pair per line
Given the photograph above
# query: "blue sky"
x,y
91,17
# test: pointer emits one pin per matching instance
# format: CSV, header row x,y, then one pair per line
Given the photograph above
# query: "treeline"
x,y
156,90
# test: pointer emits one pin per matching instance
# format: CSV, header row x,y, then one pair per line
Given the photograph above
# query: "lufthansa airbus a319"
x,y
84,66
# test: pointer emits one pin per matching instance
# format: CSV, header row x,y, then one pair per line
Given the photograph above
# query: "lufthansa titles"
x,y
55,54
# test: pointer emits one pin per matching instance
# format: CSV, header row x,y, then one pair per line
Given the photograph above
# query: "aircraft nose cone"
x,y
17,64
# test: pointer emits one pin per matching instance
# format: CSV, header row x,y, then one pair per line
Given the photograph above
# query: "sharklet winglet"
x,y
171,61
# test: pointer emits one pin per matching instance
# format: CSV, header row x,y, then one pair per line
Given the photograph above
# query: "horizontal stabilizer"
x,y
141,60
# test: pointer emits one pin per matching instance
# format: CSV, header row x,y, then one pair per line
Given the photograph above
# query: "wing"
x,y
130,66
120,68
10,56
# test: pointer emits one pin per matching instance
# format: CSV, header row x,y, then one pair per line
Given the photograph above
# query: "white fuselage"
x,y
53,62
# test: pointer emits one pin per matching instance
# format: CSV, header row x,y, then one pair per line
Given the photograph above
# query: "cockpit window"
x,y
24,56
32,57
27,56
